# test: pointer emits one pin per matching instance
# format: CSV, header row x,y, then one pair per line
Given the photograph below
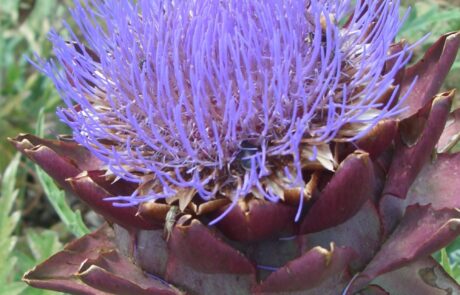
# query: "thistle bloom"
x,y
217,98
295,127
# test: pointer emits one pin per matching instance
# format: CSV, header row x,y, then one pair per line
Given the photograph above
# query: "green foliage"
x,y
37,246
450,259
424,19
24,25
20,254
433,18
444,260
72,220
8,222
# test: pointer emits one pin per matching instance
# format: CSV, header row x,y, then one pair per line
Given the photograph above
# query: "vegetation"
x,y
35,217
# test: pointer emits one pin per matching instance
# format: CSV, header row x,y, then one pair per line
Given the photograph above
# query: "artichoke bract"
x,y
252,147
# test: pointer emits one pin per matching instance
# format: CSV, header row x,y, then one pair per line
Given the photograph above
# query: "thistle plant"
x,y
252,147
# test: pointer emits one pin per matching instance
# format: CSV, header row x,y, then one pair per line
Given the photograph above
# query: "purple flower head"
x,y
225,98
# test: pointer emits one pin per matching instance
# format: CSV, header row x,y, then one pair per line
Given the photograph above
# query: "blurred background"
x,y
36,218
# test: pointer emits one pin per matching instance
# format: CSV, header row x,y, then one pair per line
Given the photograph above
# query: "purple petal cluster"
x,y
205,94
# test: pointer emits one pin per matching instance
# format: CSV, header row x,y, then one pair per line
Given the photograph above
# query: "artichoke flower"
x,y
252,147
